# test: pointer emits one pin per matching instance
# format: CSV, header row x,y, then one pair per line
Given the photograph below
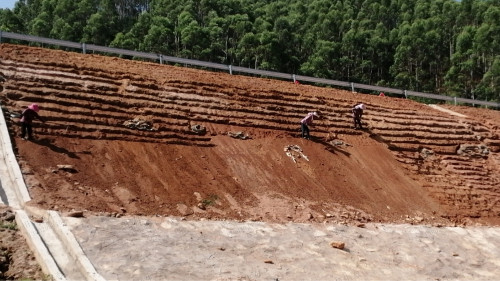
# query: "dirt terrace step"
x,y
422,141
382,128
15,74
115,106
76,86
409,125
69,70
168,139
467,172
407,116
140,101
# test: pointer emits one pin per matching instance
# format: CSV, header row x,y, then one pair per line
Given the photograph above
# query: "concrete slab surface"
x,y
172,249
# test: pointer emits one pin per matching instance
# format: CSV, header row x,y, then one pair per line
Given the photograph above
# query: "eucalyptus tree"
x,y
70,18
487,47
473,68
133,38
9,21
42,24
102,25
26,11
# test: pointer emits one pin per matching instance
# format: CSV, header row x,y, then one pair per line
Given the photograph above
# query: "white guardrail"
x,y
231,68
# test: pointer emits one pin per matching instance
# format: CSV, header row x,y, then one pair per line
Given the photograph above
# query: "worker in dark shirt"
x,y
357,114
27,117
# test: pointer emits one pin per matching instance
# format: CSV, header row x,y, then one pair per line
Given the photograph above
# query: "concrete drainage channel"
x,y
54,246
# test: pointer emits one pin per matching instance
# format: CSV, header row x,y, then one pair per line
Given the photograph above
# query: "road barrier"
x,y
231,68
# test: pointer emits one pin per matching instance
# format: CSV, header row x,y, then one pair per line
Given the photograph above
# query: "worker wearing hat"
x,y
357,113
27,117
306,122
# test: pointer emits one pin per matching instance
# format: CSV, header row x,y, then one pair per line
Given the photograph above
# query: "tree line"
x,y
440,46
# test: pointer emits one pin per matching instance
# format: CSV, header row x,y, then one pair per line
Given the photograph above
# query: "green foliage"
x,y
489,87
45,277
210,200
442,46
8,225
9,21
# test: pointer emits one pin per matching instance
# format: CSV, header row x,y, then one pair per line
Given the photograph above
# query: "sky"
x,y
7,4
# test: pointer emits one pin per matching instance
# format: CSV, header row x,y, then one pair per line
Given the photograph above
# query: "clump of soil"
x,y
17,261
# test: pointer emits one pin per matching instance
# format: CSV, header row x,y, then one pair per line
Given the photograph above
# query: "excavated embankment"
x,y
128,137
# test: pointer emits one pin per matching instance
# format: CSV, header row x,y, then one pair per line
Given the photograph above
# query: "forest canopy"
x,y
440,46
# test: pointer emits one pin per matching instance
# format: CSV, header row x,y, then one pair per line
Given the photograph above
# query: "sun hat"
x,y
34,107
361,106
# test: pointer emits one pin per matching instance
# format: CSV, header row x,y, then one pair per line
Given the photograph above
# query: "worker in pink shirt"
x,y
306,122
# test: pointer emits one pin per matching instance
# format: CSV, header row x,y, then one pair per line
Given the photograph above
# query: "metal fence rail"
x,y
262,72
430,96
378,89
110,50
231,68
323,81
30,38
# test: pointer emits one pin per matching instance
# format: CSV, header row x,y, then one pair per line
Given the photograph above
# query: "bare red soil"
x,y
412,164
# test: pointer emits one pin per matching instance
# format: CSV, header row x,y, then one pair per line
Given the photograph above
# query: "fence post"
x,y
230,69
161,59
406,95
352,87
293,77
84,48
455,100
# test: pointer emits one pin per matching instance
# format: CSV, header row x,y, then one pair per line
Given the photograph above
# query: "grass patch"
x,y
8,225
210,200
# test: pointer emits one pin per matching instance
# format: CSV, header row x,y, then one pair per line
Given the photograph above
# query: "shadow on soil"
x,y
48,143
329,147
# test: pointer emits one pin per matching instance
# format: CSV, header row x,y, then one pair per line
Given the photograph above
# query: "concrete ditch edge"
x,y
71,244
38,247
13,168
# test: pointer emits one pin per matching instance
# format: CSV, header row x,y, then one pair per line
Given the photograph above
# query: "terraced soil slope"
x,y
128,137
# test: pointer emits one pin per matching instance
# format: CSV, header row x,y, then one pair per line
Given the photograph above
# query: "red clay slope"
x,y
413,163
